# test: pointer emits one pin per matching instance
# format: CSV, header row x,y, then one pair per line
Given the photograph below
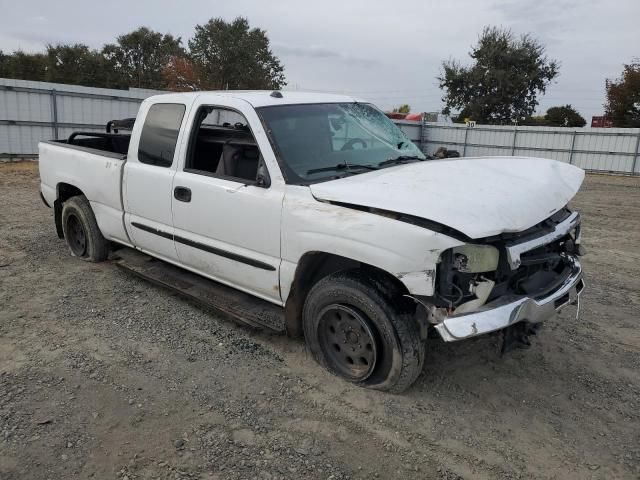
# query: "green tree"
x,y
25,66
76,64
535,121
564,116
231,55
139,57
504,81
3,63
404,108
623,97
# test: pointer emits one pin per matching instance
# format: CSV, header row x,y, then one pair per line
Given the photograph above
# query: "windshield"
x,y
322,141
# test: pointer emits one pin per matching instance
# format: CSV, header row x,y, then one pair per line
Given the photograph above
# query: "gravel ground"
x,y
103,375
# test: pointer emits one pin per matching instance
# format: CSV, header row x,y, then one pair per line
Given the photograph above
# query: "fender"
x,y
408,252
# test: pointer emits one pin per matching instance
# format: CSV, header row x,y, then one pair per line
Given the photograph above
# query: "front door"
x,y
226,211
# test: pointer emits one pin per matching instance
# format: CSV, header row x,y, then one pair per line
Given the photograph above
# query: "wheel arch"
x,y
316,265
64,191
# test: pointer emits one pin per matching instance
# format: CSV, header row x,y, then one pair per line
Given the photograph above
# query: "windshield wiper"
x,y
341,166
400,159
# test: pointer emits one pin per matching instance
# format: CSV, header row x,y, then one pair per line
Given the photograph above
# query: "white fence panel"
x,y
598,149
22,140
411,129
35,111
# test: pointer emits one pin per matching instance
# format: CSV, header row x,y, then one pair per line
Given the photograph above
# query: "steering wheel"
x,y
349,145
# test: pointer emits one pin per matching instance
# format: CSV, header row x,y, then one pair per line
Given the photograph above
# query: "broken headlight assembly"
x,y
475,258
465,275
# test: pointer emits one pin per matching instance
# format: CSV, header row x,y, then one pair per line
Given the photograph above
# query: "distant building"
x,y
431,116
601,122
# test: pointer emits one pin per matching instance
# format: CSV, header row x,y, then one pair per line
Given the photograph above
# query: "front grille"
x,y
539,229
536,261
528,246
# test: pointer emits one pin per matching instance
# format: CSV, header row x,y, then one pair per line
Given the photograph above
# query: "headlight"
x,y
475,258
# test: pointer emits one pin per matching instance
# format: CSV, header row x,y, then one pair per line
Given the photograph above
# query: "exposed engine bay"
x,y
530,263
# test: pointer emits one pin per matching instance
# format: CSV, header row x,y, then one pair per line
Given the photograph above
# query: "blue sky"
x,y
385,52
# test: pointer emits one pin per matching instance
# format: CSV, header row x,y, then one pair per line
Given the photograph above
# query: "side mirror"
x,y
262,178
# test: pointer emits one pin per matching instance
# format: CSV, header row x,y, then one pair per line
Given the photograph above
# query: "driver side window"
x,y
222,145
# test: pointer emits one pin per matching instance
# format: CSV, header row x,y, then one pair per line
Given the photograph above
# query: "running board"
x,y
228,301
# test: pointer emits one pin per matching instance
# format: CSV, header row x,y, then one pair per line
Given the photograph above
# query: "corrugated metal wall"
x,y
34,111
599,149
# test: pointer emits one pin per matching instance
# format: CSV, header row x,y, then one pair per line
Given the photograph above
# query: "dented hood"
x,y
479,197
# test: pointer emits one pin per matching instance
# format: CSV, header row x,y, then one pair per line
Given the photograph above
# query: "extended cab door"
x,y
227,198
148,177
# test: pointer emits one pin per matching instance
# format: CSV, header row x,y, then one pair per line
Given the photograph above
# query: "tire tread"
x,y
98,246
397,311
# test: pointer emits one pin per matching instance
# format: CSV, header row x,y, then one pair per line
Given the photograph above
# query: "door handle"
x,y
182,193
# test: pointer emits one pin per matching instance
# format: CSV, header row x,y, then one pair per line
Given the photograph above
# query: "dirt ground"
x,y
103,375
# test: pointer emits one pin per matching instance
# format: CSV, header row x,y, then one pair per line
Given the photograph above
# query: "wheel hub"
x,y
77,238
348,341
351,337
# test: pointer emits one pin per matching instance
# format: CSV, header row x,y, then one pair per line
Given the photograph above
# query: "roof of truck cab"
x,y
261,98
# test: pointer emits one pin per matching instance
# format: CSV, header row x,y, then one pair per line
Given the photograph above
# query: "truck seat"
x,y
239,161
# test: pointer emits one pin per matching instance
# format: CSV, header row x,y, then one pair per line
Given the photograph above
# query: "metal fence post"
x,y
464,146
54,113
573,142
513,145
422,133
635,157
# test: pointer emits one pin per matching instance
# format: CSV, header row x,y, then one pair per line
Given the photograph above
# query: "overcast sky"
x,y
388,52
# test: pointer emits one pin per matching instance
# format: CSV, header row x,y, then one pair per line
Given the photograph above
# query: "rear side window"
x,y
160,134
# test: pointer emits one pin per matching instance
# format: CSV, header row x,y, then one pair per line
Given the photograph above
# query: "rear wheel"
x,y
81,230
363,331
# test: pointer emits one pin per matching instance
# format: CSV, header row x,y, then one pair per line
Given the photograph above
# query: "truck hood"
x,y
479,197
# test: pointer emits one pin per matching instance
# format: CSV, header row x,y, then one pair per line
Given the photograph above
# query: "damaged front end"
x,y
510,281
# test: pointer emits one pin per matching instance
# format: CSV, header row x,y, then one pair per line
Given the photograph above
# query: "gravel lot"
x,y
103,375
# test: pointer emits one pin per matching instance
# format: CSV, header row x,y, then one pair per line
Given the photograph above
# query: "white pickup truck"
x,y
320,207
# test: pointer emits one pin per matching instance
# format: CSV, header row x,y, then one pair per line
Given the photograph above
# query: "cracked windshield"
x,y
324,141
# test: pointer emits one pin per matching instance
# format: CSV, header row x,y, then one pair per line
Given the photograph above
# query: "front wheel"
x,y
81,230
358,329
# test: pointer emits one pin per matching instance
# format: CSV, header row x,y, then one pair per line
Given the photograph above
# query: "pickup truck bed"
x,y
75,168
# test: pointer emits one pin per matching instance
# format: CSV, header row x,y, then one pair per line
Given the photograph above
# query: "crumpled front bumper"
x,y
506,311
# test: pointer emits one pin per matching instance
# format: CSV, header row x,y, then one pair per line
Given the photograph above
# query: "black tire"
x,y
81,231
344,300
